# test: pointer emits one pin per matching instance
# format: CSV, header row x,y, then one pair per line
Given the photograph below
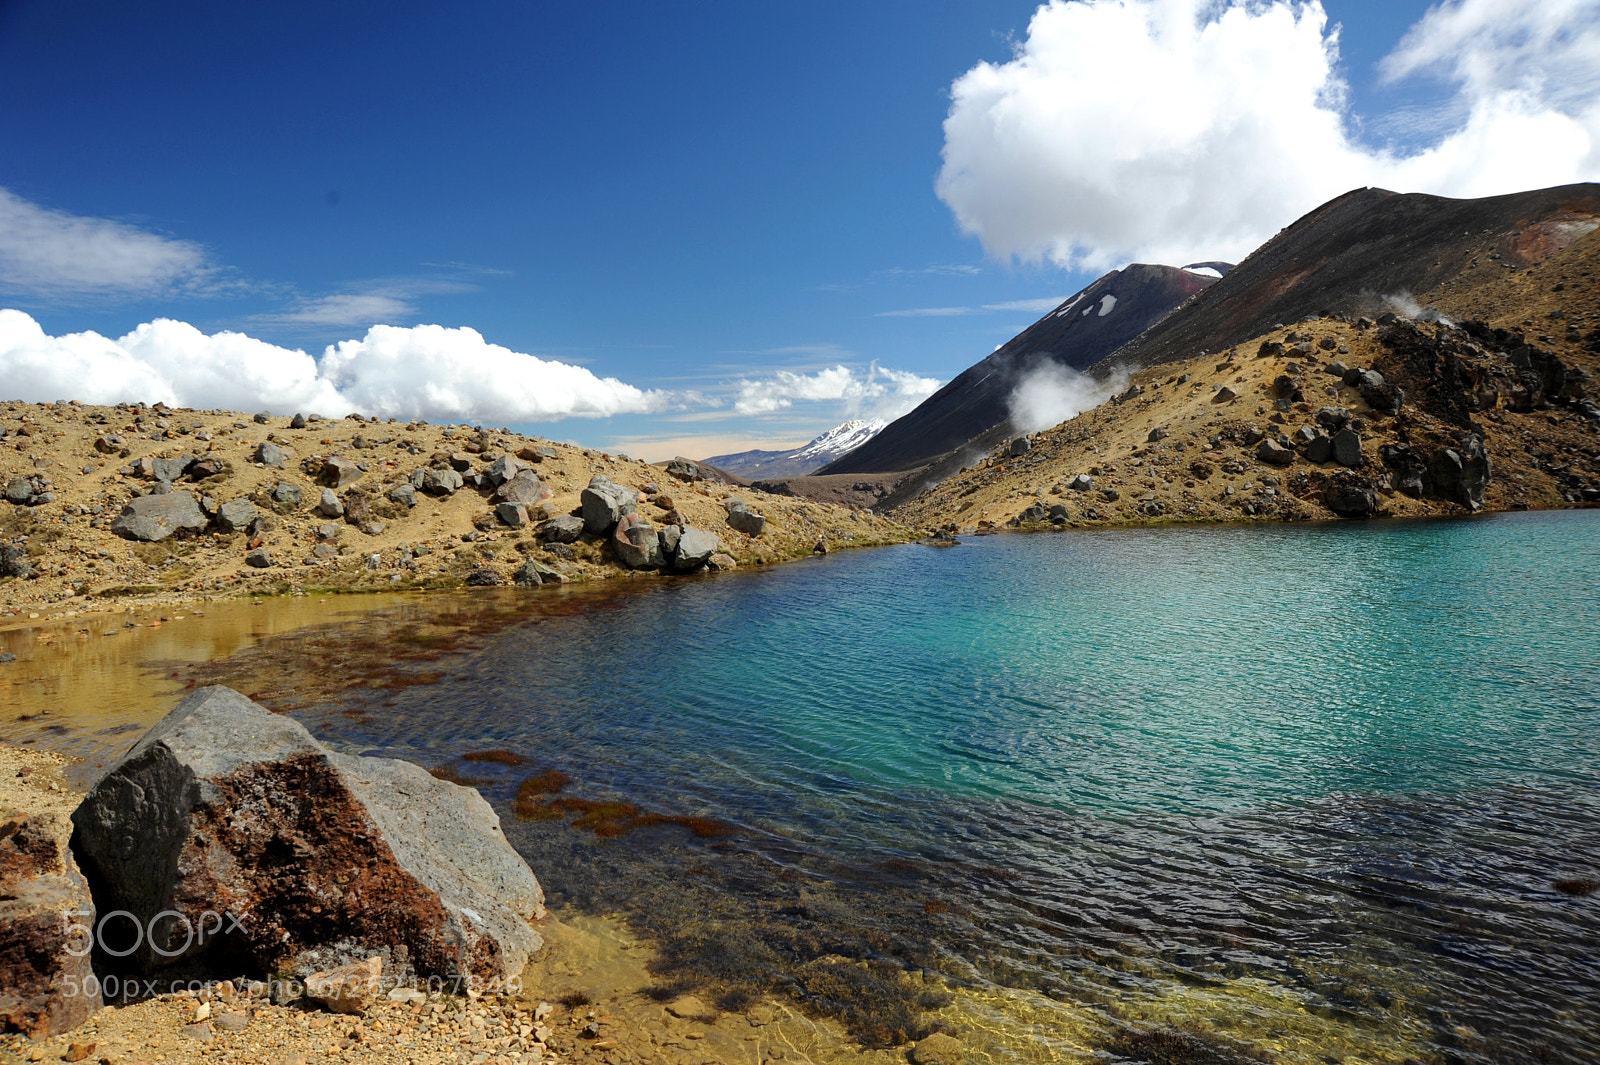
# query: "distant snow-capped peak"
x,y
841,439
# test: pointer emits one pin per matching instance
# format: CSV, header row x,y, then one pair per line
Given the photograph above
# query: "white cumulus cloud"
x,y
52,253
875,391
428,371
1174,130
161,361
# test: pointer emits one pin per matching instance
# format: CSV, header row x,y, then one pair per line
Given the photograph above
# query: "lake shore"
x,y
589,996
276,505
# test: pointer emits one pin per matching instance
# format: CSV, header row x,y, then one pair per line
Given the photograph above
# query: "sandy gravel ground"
x,y
86,459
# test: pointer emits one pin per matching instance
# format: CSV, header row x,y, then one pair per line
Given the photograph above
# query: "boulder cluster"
x,y
611,511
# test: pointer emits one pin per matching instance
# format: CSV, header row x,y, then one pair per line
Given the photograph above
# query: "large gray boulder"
x,y
19,490
236,515
522,487
1332,418
1348,496
605,503
1274,454
328,504
669,537
14,562
297,859
695,548
338,472
269,454
502,470
45,970
1347,448
156,517
745,520
637,543
438,482
532,574
170,470
684,469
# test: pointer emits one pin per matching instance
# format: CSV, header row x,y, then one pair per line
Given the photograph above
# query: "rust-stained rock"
x,y
348,988
44,960
296,859
522,487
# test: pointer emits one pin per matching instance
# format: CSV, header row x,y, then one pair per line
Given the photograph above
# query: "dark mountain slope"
x,y
1077,334
1347,255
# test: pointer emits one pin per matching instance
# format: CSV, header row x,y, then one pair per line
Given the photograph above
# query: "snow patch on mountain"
x,y
808,458
841,440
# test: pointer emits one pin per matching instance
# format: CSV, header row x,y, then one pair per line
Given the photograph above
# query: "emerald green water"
x,y
1185,794
1177,794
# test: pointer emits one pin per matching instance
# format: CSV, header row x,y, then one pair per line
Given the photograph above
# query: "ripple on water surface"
x,y
1174,795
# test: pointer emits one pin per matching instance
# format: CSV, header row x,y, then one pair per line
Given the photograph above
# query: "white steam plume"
x,y
1050,394
1401,303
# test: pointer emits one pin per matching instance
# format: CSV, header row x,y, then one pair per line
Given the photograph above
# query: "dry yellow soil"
x,y
1203,470
80,565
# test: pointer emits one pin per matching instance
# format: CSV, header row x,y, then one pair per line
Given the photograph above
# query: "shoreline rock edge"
x,y
231,819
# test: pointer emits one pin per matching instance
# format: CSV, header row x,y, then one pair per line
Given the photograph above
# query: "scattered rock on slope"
x,y
695,548
156,517
637,543
743,519
605,503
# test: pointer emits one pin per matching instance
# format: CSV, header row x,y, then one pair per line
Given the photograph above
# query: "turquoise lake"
x,y
1291,793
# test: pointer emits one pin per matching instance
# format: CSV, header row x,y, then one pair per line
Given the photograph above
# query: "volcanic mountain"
x,y
1080,332
1363,253
800,461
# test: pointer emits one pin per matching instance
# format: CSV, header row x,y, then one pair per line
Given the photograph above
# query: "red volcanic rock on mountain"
x,y
1356,253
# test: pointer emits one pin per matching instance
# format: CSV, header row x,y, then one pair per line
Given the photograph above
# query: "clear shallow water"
x,y
1169,795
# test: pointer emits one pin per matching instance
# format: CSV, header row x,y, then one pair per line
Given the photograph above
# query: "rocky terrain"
x,y
104,505
1333,417
1360,251
300,905
1081,331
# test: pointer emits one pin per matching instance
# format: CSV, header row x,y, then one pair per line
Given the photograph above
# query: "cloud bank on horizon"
x,y
1175,130
425,371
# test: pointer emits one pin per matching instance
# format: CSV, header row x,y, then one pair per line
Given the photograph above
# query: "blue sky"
x,y
682,197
